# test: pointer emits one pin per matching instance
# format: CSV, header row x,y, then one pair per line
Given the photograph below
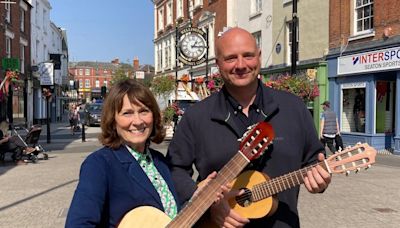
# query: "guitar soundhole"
x,y
244,199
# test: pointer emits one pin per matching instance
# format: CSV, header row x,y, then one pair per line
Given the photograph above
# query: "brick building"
x,y
364,71
15,58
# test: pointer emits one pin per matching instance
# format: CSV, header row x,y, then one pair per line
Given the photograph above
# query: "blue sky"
x,y
100,30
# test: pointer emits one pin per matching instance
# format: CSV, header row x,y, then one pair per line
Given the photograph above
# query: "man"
x,y
329,129
208,132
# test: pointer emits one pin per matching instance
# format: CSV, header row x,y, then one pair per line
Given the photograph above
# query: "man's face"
x,y
238,58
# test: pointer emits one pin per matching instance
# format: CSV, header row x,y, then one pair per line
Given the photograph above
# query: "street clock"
x,y
192,46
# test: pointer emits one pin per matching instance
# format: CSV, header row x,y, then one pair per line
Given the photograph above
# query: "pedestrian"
x,y
329,129
126,173
74,118
207,136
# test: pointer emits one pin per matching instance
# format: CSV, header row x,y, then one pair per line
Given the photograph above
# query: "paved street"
x,y
38,195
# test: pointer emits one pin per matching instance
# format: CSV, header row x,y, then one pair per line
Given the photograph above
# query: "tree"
x,y
119,75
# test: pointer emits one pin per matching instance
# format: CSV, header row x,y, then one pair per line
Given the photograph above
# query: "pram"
x,y
31,139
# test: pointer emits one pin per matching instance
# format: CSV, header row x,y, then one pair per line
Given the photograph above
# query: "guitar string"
x,y
270,185
213,185
195,216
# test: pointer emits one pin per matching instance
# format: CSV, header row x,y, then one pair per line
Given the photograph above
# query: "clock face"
x,y
193,46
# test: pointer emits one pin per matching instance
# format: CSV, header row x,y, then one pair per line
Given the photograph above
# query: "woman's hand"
x,y
222,214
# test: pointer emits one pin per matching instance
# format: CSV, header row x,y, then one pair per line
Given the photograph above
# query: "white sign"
x,y
354,85
46,72
139,74
373,61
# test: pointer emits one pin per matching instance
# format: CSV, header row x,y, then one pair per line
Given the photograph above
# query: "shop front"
x,y
364,86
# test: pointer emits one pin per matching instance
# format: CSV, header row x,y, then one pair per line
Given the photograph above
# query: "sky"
x,y
100,30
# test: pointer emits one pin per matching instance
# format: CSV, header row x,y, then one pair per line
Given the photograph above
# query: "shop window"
x,y
353,110
384,107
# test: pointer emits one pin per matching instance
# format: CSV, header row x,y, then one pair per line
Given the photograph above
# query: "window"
x,y
87,83
87,71
22,20
179,8
160,20
97,83
169,13
105,83
159,57
289,43
255,7
364,15
353,110
22,59
385,106
8,12
80,71
198,3
44,20
80,83
167,54
257,37
8,47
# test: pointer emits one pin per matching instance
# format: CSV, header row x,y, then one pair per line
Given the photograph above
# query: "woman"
x,y
73,118
123,174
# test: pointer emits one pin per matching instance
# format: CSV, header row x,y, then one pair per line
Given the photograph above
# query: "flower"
x,y
215,82
299,85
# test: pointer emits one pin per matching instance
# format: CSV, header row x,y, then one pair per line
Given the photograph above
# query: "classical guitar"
x,y
259,200
253,143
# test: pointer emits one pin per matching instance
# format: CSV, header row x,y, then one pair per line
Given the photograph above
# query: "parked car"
x,y
93,114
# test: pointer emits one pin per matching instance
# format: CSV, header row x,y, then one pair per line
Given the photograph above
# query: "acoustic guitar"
x,y
259,197
253,143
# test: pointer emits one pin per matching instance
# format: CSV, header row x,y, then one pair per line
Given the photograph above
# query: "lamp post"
x,y
294,39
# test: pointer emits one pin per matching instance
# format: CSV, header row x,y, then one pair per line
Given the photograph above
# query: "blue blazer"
x,y
111,183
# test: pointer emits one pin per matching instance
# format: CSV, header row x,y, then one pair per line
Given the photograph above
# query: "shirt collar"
x,y
257,103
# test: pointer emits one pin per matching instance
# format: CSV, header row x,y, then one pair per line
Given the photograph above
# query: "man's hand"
x,y
222,215
317,178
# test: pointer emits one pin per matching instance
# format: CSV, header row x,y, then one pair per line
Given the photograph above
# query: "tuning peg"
x,y
240,139
368,166
358,170
347,172
359,143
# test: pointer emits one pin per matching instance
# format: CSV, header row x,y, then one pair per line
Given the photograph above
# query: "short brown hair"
x,y
113,104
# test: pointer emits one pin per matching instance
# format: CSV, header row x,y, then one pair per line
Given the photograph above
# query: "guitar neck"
x,y
198,205
282,183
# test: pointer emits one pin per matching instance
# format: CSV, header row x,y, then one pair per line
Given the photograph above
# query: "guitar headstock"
x,y
256,140
352,159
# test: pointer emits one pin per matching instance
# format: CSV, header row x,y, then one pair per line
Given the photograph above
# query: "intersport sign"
x,y
380,60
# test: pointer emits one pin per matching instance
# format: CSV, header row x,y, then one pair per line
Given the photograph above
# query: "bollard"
x,y
83,132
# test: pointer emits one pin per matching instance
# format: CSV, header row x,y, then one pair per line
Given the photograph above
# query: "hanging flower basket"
x,y
299,85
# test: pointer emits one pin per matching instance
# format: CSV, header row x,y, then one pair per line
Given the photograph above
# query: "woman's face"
x,y
134,124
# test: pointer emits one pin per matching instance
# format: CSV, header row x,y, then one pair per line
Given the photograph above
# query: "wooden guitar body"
x,y
244,205
146,216
259,198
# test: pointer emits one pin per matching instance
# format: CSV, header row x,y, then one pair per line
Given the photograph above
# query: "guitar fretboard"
x,y
196,207
280,184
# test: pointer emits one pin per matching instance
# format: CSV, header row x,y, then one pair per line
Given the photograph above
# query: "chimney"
x,y
136,64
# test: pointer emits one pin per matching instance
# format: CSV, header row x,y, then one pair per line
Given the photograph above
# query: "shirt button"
x,y
240,107
258,110
235,112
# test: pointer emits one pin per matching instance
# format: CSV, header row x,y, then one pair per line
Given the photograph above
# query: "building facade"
x,y
364,71
15,56
312,41
172,16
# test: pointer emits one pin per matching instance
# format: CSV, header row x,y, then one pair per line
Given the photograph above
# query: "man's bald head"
x,y
230,35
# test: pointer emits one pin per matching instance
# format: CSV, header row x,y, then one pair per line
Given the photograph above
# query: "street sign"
x,y
46,72
10,63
